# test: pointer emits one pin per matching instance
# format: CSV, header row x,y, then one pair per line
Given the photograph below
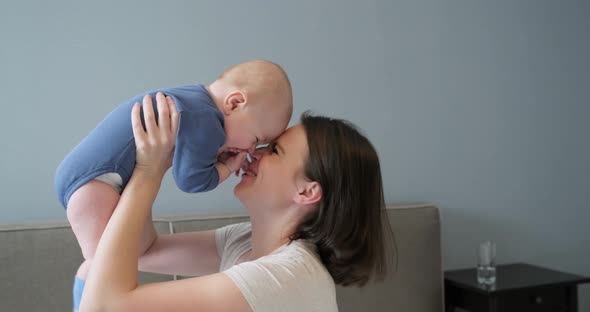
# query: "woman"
x,y
315,201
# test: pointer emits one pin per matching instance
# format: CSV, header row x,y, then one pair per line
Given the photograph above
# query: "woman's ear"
x,y
308,193
234,100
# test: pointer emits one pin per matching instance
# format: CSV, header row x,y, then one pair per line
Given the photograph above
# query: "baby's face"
x,y
244,130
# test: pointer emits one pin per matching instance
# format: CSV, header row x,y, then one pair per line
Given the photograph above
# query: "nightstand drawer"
x,y
536,300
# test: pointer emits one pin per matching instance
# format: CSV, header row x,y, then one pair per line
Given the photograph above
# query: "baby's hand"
x,y
233,160
224,149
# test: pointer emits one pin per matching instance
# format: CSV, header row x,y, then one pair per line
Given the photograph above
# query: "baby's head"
x,y
256,100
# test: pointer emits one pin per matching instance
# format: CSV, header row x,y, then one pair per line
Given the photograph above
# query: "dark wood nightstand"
x,y
519,287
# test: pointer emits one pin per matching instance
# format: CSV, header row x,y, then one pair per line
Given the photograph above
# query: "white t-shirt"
x,y
292,278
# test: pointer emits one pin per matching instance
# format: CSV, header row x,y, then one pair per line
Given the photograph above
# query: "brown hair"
x,y
350,227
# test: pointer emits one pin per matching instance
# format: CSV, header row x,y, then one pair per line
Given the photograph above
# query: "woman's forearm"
x,y
115,261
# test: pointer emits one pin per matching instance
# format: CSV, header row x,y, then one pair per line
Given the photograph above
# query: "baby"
x,y
249,104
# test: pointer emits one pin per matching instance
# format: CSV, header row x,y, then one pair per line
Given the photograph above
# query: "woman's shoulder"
x,y
231,233
231,241
292,276
300,256
296,250
236,228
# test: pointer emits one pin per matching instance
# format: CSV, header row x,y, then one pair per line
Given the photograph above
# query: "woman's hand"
x,y
113,274
155,144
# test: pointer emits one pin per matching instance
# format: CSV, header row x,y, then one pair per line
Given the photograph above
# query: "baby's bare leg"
x,y
89,210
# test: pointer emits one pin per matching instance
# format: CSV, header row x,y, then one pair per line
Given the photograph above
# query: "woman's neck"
x,y
268,235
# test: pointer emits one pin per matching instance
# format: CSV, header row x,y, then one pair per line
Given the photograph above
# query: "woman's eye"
x,y
273,148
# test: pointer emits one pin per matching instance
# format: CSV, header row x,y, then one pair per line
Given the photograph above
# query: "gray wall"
x,y
480,107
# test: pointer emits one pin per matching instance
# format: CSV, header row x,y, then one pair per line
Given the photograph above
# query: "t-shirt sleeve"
x,y
227,235
221,235
199,137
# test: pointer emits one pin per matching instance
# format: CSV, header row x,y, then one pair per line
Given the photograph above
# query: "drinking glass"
x,y
486,263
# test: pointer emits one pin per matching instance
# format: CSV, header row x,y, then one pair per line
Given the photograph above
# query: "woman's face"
x,y
272,178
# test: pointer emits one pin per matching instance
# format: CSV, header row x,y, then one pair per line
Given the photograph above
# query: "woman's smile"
x,y
250,170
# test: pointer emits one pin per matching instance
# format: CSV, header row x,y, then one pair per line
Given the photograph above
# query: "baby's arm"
x,y
200,135
228,163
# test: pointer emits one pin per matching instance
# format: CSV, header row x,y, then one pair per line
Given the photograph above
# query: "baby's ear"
x,y
234,100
